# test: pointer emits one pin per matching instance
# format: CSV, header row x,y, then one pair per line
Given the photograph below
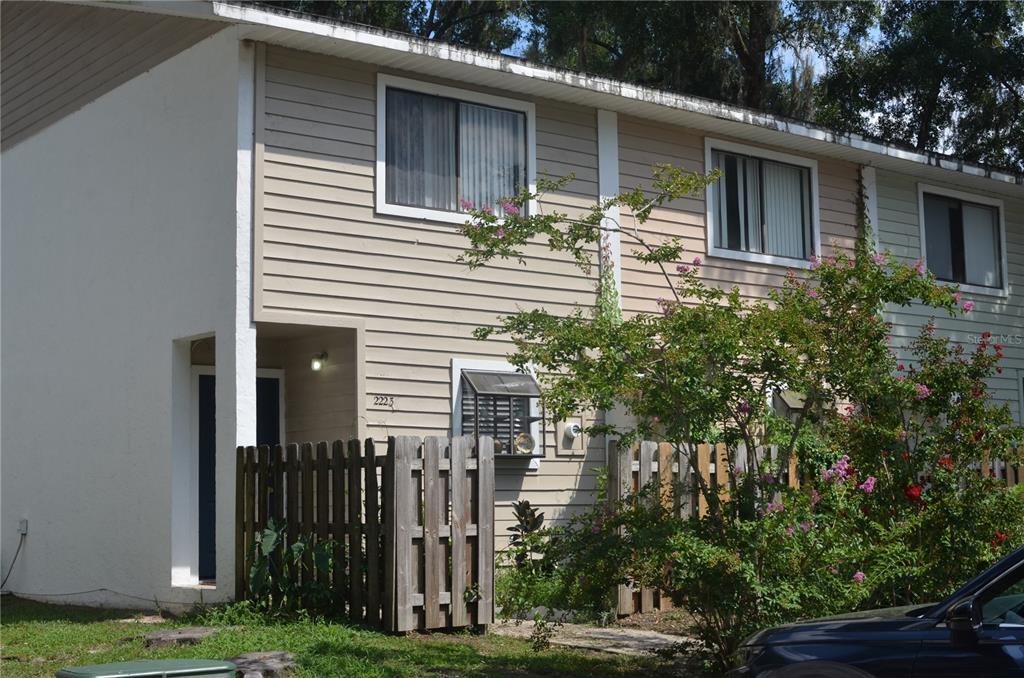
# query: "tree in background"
x,y
941,75
491,25
936,76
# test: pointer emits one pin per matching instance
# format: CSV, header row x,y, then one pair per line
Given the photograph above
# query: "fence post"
x,y
401,517
620,475
354,463
306,498
645,478
292,506
485,530
460,518
339,580
433,569
372,535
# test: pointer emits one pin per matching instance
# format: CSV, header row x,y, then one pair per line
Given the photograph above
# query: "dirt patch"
x,y
673,622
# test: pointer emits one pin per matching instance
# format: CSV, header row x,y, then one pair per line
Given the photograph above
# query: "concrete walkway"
x,y
620,640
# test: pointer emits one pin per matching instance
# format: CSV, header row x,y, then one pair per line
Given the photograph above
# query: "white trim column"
x,y
236,345
608,186
869,180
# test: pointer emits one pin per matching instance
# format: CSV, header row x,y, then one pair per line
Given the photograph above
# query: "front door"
x,y
268,432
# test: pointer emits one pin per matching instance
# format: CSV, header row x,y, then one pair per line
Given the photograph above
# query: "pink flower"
x,y
901,367
744,406
833,570
466,204
509,208
840,471
879,259
922,391
956,298
697,261
806,527
919,267
815,497
868,485
789,531
682,268
486,209
901,378
858,576
815,262
813,294
968,306
500,233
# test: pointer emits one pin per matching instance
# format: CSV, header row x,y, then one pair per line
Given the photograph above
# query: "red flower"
x,y
986,335
913,492
1000,538
978,435
905,456
946,462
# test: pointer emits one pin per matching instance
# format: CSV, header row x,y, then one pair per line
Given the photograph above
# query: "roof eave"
x,y
441,60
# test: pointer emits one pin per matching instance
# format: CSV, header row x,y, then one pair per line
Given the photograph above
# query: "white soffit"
x,y
513,75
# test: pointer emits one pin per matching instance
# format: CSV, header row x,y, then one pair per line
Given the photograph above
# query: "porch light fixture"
x,y
317,363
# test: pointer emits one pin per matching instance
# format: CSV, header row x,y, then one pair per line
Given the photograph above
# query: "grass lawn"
x,y
38,639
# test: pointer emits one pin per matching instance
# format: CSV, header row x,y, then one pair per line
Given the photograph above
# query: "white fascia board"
x,y
416,53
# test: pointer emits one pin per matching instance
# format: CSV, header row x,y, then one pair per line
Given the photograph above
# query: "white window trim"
x,y
1003,290
384,81
460,364
710,145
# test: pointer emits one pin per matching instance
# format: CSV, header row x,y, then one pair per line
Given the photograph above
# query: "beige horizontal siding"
x,y
323,249
899,232
56,57
642,144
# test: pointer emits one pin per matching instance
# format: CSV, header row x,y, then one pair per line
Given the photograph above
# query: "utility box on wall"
x,y
570,438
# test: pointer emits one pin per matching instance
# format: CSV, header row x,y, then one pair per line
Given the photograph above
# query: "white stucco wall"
x,y
119,236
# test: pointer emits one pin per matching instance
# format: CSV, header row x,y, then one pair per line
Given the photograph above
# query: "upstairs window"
x,y
762,207
963,240
443,150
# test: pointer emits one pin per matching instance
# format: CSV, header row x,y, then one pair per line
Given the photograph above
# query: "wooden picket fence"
x,y
413,529
658,465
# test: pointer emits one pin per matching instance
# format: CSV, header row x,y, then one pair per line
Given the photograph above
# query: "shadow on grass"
x,y
465,656
15,610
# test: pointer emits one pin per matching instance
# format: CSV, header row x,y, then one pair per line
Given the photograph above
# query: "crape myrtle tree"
x,y
892,508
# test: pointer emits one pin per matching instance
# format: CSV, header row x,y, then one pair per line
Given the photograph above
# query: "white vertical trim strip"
x,y
608,186
236,352
869,179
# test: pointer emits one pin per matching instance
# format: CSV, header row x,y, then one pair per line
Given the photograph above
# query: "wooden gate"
x,y
413,530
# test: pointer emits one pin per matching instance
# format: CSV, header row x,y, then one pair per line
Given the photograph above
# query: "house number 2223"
x,y
384,401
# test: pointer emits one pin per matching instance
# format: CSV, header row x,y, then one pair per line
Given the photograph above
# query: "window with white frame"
x,y
962,238
762,207
443,151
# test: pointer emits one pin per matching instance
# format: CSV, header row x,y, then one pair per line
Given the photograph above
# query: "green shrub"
x,y
892,510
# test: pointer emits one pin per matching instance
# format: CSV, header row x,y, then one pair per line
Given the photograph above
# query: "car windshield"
x,y
1004,605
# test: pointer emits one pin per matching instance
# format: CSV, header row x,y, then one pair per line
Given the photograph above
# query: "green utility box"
x,y
160,668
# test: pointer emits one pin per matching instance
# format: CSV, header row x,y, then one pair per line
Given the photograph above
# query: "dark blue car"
x,y
977,632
